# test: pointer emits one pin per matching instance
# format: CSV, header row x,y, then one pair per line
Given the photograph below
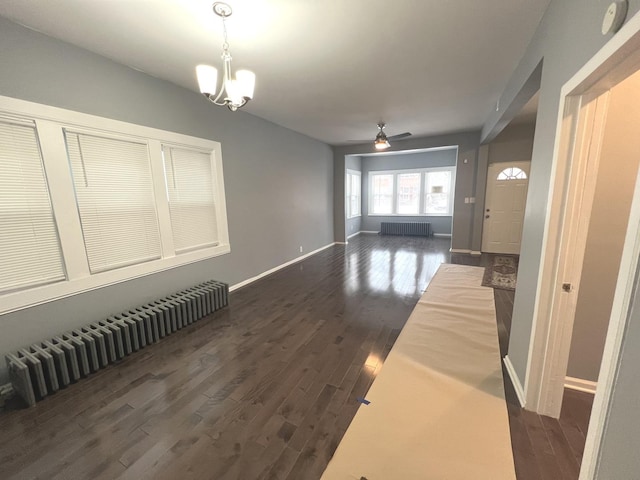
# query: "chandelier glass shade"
x,y
235,91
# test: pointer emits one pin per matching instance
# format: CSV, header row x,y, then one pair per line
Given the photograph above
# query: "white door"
x,y
504,207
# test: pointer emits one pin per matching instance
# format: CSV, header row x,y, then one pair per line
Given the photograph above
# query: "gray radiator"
x,y
422,229
43,368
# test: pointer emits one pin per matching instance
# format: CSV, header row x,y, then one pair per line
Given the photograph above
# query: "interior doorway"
x,y
613,193
599,126
505,202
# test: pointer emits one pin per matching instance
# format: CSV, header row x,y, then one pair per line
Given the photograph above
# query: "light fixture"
x,y
234,92
381,142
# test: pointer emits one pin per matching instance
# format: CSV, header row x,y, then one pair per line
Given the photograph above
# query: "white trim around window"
x,y
421,192
353,190
51,125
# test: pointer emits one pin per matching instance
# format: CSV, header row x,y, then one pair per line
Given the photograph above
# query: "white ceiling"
x,y
330,69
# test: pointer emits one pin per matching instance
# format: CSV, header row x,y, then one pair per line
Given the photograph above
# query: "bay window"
x,y
414,192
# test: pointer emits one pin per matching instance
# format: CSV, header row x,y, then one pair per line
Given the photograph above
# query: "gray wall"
x,y
567,37
433,158
617,174
354,225
513,144
278,183
619,459
466,216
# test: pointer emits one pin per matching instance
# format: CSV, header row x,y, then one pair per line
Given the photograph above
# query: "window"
x,y
192,198
353,193
438,198
381,194
87,201
29,247
408,189
419,192
114,193
512,173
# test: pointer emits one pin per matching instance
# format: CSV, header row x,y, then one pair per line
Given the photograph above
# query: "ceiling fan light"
x,y
207,79
381,143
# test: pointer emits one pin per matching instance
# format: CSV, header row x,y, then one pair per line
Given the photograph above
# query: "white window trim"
x,y
50,122
348,193
422,171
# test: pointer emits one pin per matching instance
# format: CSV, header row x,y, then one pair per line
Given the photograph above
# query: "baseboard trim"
x,y
353,235
444,235
459,250
515,381
476,253
280,267
581,385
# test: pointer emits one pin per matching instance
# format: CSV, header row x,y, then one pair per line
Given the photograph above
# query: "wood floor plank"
x,y
544,453
564,455
524,456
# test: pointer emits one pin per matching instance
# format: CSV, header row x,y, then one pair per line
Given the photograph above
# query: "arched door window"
x,y
512,173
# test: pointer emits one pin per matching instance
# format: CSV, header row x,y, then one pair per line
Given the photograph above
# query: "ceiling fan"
x,y
382,141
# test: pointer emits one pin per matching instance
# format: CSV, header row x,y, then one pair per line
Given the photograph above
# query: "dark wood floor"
x,y
543,448
266,388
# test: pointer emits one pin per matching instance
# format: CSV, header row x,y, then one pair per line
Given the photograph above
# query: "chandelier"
x,y
234,92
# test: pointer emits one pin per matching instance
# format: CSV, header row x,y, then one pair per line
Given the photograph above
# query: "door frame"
x,y
578,134
563,254
517,163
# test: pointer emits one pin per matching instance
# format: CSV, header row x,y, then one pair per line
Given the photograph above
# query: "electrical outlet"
x,y
300,248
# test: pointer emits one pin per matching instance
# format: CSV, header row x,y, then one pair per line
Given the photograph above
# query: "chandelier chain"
x,y
225,44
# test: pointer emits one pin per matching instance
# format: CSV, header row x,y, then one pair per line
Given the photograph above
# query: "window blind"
x,y
114,193
353,194
192,198
30,251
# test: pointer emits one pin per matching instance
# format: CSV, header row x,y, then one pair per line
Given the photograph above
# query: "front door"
x,y
504,207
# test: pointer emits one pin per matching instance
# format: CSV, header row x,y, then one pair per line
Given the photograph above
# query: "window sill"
x,y
22,299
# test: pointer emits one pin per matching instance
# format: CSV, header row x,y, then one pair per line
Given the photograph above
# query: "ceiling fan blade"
x,y
399,136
